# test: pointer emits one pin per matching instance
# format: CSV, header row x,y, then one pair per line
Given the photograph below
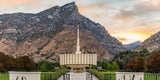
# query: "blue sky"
x,y
127,20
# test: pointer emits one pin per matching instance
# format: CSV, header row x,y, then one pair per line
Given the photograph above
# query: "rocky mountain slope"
x,y
133,45
152,43
29,34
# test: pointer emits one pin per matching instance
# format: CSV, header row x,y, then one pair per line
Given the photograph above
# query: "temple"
x,y
78,59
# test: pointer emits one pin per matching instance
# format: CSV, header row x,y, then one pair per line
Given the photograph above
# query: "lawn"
x,y
151,77
109,75
4,76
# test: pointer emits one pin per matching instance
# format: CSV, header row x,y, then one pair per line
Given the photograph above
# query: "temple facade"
x,y
78,59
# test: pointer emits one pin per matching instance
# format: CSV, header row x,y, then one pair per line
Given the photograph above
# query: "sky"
x,y
126,20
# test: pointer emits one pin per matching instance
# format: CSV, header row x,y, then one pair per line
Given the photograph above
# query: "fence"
x,y
110,76
147,76
4,76
66,77
88,76
47,76
151,76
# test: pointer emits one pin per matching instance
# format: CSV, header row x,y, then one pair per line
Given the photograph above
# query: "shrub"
x,y
96,73
68,67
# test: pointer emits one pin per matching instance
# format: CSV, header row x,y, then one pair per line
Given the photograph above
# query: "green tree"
x,y
115,66
125,57
56,64
109,67
47,66
104,65
145,50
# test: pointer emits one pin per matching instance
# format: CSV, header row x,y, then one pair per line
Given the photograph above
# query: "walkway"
x,y
79,76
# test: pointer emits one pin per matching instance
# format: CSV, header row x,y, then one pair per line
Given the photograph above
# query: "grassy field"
x,y
4,76
151,77
109,75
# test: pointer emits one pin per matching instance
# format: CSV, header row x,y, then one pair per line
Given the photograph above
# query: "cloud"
x,y
93,11
152,2
7,3
148,2
150,8
123,39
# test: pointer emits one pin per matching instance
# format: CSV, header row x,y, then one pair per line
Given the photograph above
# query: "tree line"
x,y
151,64
138,60
8,63
24,63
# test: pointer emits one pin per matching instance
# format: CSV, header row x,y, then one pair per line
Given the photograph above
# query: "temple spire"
x,y
78,46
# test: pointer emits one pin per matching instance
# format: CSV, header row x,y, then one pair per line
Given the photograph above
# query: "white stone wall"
x,y
24,75
129,76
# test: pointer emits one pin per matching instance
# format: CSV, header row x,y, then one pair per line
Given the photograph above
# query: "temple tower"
x,y
78,46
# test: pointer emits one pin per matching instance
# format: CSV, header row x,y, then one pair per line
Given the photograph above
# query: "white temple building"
x,y
78,59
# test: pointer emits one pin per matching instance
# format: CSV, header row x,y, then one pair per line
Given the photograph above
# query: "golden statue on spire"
x,y
77,26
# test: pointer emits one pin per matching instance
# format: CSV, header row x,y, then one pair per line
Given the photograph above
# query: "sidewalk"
x,y
79,76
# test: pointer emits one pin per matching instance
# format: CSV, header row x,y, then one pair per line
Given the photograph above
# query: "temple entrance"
x,y
78,69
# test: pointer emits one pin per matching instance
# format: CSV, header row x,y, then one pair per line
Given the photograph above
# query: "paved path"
x,y
79,76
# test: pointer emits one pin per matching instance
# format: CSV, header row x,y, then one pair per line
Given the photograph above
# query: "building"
x,y
78,59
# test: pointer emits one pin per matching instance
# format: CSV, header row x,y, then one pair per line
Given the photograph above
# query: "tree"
x,y
56,64
27,63
115,66
109,67
140,64
136,64
145,50
153,62
104,65
7,62
47,66
2,68
125,56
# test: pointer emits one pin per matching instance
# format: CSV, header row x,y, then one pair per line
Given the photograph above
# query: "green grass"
x,y
109,75
4,76
151,77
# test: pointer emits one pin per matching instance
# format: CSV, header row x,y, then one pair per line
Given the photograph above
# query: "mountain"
x,y
133,45
152,43
29,34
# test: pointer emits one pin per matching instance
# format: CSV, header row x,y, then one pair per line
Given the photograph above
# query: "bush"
x,y
96,73
68,67
94,67
87,67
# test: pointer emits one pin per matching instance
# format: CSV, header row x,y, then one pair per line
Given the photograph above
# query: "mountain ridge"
x,y
133,45
25,29
152,43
